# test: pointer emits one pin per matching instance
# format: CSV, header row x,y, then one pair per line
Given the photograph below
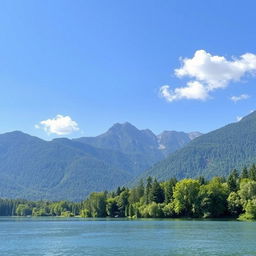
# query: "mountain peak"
x,y
250,116
123,126
193,135
19,135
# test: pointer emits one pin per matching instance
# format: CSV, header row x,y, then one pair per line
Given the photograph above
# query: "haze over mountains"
x,y
70,169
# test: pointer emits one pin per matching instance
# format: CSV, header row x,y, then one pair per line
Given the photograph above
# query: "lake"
x,y
89,237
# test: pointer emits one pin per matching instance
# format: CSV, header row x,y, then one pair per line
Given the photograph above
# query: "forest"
x,y
234,197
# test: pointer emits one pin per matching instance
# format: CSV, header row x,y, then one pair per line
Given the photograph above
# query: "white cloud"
x,y
60,125
193,90
240,97
207,73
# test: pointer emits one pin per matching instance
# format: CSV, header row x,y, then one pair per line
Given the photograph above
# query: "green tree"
x,y
23,210
97,204
252,172
134,211
140,189
155,210
133,196
148,190
186,196
85,213
235,206
247,190
244,174
156,193
214,198
201,180
250,209
112,207
136,193
123,203
233,181
168,210
168,187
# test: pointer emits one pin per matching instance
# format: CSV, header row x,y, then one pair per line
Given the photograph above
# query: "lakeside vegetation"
x,y
195,198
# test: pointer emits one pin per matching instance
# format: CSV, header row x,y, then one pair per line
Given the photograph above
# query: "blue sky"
x,y
102,62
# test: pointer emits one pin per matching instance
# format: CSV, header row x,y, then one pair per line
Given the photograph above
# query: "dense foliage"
x,y
17,207
196,198
212,154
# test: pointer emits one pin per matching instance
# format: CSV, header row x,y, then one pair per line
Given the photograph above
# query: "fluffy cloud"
x,y
60,125
193,90
240,97
207,73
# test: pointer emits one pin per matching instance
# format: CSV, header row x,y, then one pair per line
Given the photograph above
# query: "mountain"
x,y
125,138
193,135
60,169
212,154
170,141
128,139
141,146
32,168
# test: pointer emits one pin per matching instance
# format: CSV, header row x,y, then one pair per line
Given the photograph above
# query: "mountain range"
x,y
33,168
70,169
214,154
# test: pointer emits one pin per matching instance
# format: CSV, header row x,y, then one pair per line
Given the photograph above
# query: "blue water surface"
x,y
96,237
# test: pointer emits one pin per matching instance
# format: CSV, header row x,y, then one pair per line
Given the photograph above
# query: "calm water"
x,y
78,237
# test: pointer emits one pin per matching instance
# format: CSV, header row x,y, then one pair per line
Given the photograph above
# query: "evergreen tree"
x,y
148,190
233,181
252,172
119,190
140,189
244,174
201,180
168,190
156,193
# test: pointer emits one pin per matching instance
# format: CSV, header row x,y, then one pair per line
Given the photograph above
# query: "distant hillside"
x,y
212,154
32,168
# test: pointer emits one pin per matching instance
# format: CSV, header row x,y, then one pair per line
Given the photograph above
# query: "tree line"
x,y
234,196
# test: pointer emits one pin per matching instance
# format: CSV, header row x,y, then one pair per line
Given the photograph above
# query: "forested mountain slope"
x,y
33,168
212,154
